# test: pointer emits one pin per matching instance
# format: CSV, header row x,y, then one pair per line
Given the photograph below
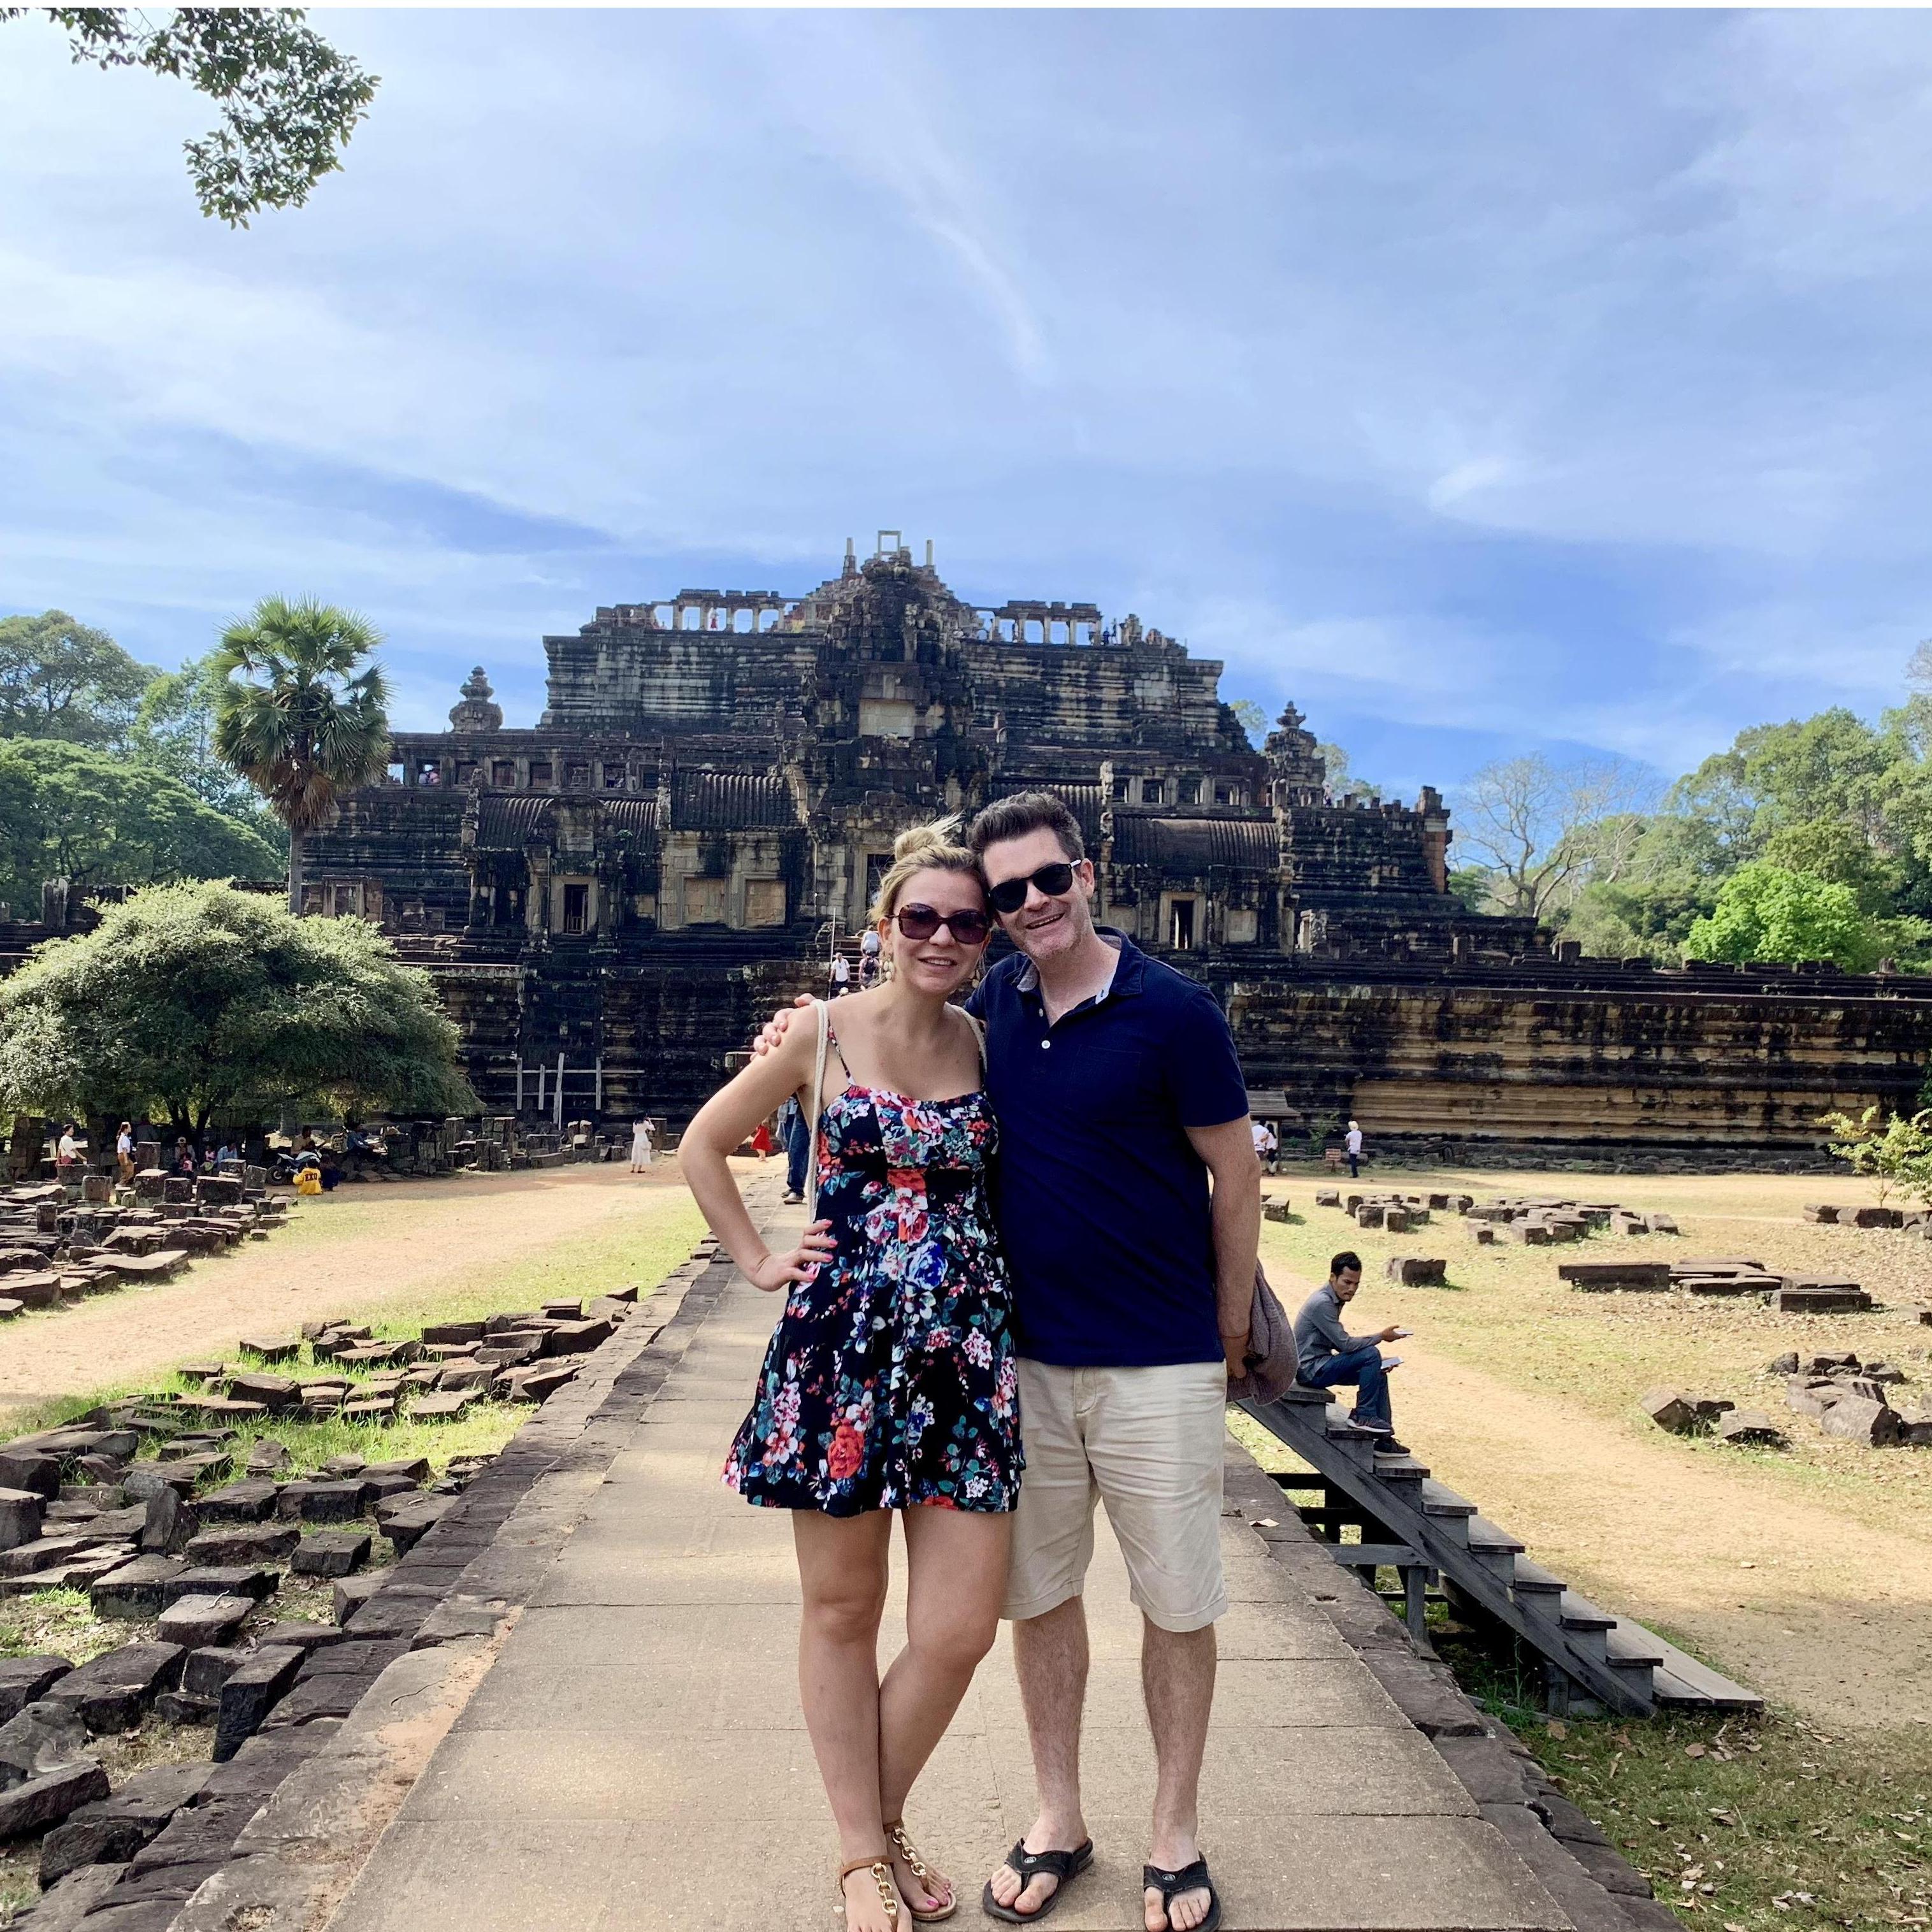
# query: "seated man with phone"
x,y
1328,1354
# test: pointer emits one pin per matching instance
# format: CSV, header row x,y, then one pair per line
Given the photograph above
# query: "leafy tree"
x,y
62,679
289,101
68,812
1335,763
1252,717
209,1003
1895,1150
174,729
1764,912
300,712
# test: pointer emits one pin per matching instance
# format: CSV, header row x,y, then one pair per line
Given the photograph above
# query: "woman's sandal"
x,y
881,1869
917,1866
1190,1878
1063,1866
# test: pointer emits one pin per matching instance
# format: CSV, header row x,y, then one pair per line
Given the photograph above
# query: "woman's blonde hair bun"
x,y
936,847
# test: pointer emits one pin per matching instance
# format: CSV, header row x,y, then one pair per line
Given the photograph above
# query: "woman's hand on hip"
x,y
776,1271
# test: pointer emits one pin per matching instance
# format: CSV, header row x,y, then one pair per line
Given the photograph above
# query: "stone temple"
x,y
609,900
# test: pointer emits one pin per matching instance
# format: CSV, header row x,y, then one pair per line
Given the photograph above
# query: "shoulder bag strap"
x,y
979,1027
822,1013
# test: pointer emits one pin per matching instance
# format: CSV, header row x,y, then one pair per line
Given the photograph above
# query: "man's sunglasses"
x,y
970,927
1009,894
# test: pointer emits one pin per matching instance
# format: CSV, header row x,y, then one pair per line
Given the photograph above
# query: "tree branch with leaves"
x,y
288,101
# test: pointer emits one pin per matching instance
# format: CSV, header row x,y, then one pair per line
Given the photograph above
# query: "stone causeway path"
x,y
635,1757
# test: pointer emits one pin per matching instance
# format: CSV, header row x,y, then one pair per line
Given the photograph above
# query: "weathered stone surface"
x,y
32,1470
45,1800
24,1680
1752,1427
205,1671
351,1593
405,1524
111,1830
248,1501
1859,1419
62,1909
40,1737
168,1524
222,1579
272,1348
320,1502
449,1407
244,1543
1671,1409
331,1553
109,1692
134,1589
1836,1298
203,1620
453,1332
1416,1270
1605,1276
1785,1364
275,1393
250,1694
266,1456
19,1517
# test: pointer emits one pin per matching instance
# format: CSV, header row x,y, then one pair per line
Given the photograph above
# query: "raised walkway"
x,y
635,1757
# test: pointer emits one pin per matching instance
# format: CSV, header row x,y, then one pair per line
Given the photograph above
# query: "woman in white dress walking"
x,y
643,1154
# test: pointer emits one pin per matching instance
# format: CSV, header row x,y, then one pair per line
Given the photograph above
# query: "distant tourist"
x,y
1353,1144
184,1158
1267,1144
890,1383
644,1148
331,1171
842,976
761,1140
868,961
1328,1354
124,1151
796,1133
67,1154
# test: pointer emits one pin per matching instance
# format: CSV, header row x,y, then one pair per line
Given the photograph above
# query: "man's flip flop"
x,y
1063,1866
1190,1878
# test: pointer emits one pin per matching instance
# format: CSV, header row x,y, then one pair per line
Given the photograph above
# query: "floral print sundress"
x,y
890,1381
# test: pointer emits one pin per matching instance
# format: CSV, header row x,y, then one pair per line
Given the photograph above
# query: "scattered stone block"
x,y
243,1542
1663,1224
415,1468
1873,1217
20,1513
41,1736
250,1694
31,1470
134,1589
178,1707
1810,1397
1602,1277
331,1553
1751,1427
464,1333
449,1408
1524,1234
1857,1418
248,1501
1822,1298
459,1378
168,1524
1821,1211
26,1680
405,1524
375,1409
351,1593
1275,1210
200,1621
320,1502
1416,1270
204,1672
271,1348
45,1800
111,1830
223,1580
109,1692
275,1393
1785,1364
266,1456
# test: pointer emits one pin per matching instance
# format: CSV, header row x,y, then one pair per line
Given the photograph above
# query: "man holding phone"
x,y
1329,1353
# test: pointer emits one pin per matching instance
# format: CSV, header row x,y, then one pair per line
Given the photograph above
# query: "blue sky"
x,y
1485,382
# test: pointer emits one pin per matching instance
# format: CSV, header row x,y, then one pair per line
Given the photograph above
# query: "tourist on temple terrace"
x,y
890,1383
1119,1094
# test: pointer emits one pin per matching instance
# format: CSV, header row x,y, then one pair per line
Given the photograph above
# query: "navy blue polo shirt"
x,y
1101,1201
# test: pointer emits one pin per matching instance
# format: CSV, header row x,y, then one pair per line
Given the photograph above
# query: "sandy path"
x,y
345,1252
1795,1598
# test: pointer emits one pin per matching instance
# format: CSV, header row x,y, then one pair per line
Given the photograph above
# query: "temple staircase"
x,y
1593,1660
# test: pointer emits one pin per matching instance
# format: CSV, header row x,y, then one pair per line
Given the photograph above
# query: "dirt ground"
x,y
359,1251
1805,1573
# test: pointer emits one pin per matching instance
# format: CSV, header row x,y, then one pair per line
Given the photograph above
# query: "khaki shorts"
x,y
1147,1442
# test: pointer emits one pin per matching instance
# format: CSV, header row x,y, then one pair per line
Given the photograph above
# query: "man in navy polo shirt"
x,y
1118,1094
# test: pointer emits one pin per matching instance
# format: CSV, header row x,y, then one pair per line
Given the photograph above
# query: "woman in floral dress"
x,y
889,1384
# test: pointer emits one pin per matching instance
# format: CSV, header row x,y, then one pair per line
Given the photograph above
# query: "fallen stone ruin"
x,y
1915,1221
181,1520
1728,1276
60,1244
1535,1221
1847,1399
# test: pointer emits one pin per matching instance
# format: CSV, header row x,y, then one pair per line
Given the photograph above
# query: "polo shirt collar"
x,y
1128,971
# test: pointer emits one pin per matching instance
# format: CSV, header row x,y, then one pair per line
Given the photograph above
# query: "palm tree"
x,y
301,714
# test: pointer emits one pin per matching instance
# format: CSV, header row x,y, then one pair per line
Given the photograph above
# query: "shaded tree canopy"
x,y
70,811
60,678
289,101
1766,911
205,1003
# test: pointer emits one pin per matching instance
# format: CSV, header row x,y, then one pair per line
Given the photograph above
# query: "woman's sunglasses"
x,y
970,927
1009,894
